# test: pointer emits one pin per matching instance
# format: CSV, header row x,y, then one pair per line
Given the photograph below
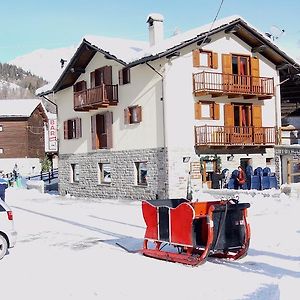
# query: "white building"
x,y
134,117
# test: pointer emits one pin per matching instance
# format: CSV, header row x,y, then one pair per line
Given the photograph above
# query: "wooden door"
x,y
241,74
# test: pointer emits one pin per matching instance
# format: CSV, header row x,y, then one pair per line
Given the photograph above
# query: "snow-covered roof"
x,y
123,49
18,107
155,17
132,52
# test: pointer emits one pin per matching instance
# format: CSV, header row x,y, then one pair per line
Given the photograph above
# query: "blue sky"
x,y
31,24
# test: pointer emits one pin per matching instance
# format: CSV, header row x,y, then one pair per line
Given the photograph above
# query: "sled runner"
x,y
187,232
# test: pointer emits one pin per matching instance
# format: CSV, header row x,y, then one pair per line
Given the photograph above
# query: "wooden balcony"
x,y
100,96
234,136
218,84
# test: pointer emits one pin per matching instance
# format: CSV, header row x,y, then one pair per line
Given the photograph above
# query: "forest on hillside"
x,y
15,83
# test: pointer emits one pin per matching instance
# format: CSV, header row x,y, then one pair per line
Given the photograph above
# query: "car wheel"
x,y
3,246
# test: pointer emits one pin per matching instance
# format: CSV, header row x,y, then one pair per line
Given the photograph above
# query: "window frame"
x,y
130,111
72,129
124,76
138,177
101,177
74,176
214,110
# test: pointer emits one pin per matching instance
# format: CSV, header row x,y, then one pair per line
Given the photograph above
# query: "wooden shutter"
x,y
214,60
121,77
108,128
66,130
227,63
227,69
197,107
127,75
257,124
254,64
256,116
78,128
228,115
216,113
126,116
107,79
92,78
139,113
196,58
94,131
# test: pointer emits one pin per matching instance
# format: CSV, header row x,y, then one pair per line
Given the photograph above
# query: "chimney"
x,y
156,28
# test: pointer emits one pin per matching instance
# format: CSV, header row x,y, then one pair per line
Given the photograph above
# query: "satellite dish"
x,y
275,32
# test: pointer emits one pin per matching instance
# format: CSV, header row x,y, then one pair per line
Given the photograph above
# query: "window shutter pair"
x,y
229,115
79,86
124,76
214,110
67,128
212,57
129,111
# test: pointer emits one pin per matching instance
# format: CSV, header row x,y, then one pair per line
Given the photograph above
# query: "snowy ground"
x,y
67,249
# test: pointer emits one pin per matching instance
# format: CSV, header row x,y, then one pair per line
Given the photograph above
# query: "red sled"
x,y
178,230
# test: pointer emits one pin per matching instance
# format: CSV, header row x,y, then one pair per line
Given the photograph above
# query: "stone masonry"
x,y
123,185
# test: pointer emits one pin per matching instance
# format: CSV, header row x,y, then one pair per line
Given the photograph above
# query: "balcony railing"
x,y
235,136
100,96
232,85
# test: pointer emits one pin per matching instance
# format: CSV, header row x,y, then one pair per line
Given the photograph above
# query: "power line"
x,y
213,22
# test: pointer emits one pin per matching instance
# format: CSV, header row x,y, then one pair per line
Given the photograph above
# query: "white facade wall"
x,y
180,100
179,106
145,90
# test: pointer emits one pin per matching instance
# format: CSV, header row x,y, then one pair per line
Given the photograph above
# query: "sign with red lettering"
x,y
52,132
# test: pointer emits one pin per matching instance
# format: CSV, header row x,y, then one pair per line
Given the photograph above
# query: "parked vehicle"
x,y
8,235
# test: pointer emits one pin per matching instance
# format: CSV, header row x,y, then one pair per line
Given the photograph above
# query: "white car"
x,y
8,235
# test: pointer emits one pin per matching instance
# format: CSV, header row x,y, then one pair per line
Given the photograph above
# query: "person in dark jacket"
x,y
3,187
249,173
216,177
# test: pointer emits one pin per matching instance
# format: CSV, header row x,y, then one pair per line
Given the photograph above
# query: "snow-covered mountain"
x,y
45,62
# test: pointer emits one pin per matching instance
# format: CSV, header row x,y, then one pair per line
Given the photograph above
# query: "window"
x,y
72,129
101,76
124,76
207,110
203,58
1,127
102,130
133,114
1,150
104,173
141,173
269,161
79,86
74,173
